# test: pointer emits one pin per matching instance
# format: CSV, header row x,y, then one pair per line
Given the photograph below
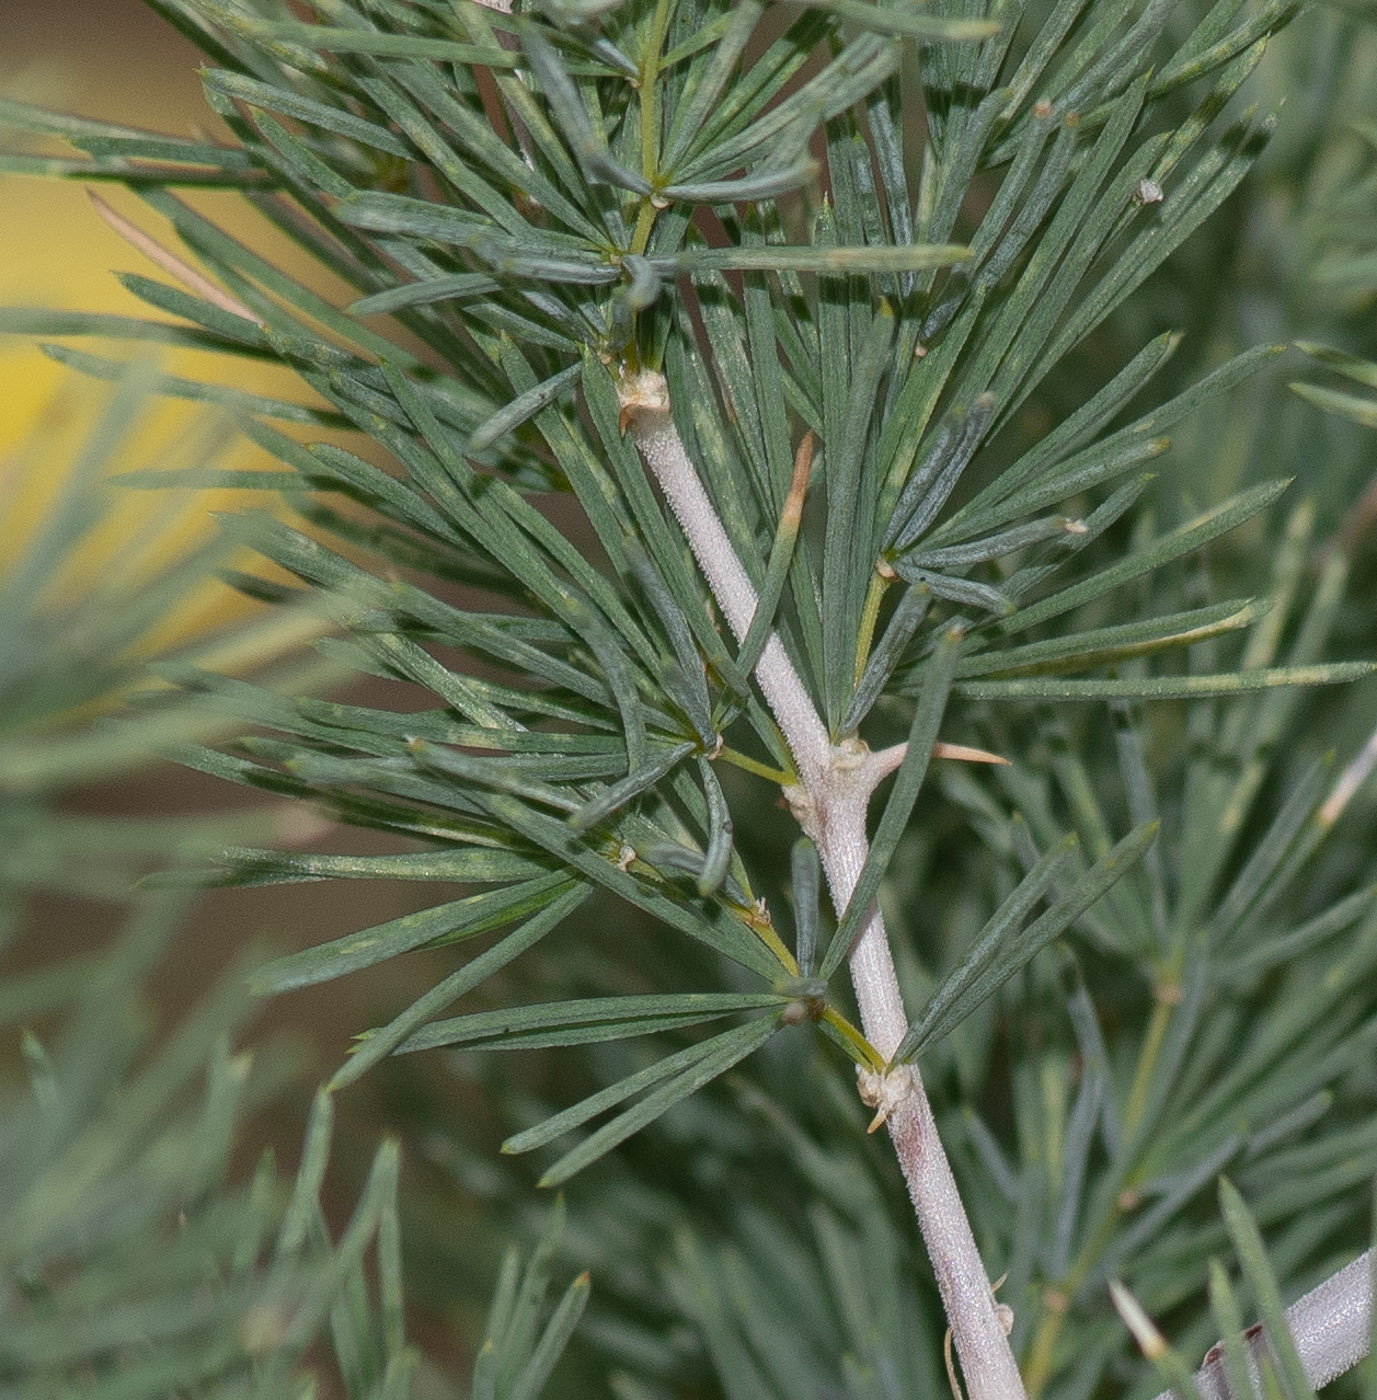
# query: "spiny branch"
x,y
830,802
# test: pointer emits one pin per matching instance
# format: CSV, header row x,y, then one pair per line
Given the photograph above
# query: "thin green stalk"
x,y
761,770
1164,1003
650,123
870,615
1041,1351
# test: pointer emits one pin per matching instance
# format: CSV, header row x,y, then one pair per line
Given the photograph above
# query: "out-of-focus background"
x,y
118,61
115,60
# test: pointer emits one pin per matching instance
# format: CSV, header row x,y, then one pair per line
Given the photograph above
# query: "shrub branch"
x,y
830,800
1331,1328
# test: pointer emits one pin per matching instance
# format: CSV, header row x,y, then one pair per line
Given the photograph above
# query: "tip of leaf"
x,y
1150,1341
1146,834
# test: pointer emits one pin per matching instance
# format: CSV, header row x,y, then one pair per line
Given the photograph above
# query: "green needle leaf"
x,y
376,1045
932,702
1168,687
1002,951
927,29
521,408
725,1051
909,257
993,957
460,918
583,1022
1262,1282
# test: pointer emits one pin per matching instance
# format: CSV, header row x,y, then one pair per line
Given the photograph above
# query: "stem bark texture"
x,y
831,803
1331,1327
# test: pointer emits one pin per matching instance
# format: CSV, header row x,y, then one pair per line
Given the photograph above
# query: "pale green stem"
x,y
835,783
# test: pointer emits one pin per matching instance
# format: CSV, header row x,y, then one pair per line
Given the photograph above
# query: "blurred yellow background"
x,y
116,61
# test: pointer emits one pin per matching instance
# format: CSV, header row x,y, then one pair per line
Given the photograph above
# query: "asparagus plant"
x,y
743,410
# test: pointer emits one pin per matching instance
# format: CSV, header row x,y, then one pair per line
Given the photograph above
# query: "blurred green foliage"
x,y
967,312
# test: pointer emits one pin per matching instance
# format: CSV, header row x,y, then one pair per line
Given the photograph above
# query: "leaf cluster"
x,y
135,1264
77,630
1257,964
540,202
136,1259
131,1265
552,186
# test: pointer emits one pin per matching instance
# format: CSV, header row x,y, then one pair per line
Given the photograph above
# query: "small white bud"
x,y
883,1092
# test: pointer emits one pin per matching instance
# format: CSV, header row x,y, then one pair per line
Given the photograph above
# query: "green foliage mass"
x,y
1140,956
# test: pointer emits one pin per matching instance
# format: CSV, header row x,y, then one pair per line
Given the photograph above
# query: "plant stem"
x,y
650,124
1331,1327
831,801
1147,1062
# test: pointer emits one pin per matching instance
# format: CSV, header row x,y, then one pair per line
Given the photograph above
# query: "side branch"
x,y
1331,1327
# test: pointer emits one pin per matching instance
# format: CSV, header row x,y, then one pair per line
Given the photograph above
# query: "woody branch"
x,y
831,802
